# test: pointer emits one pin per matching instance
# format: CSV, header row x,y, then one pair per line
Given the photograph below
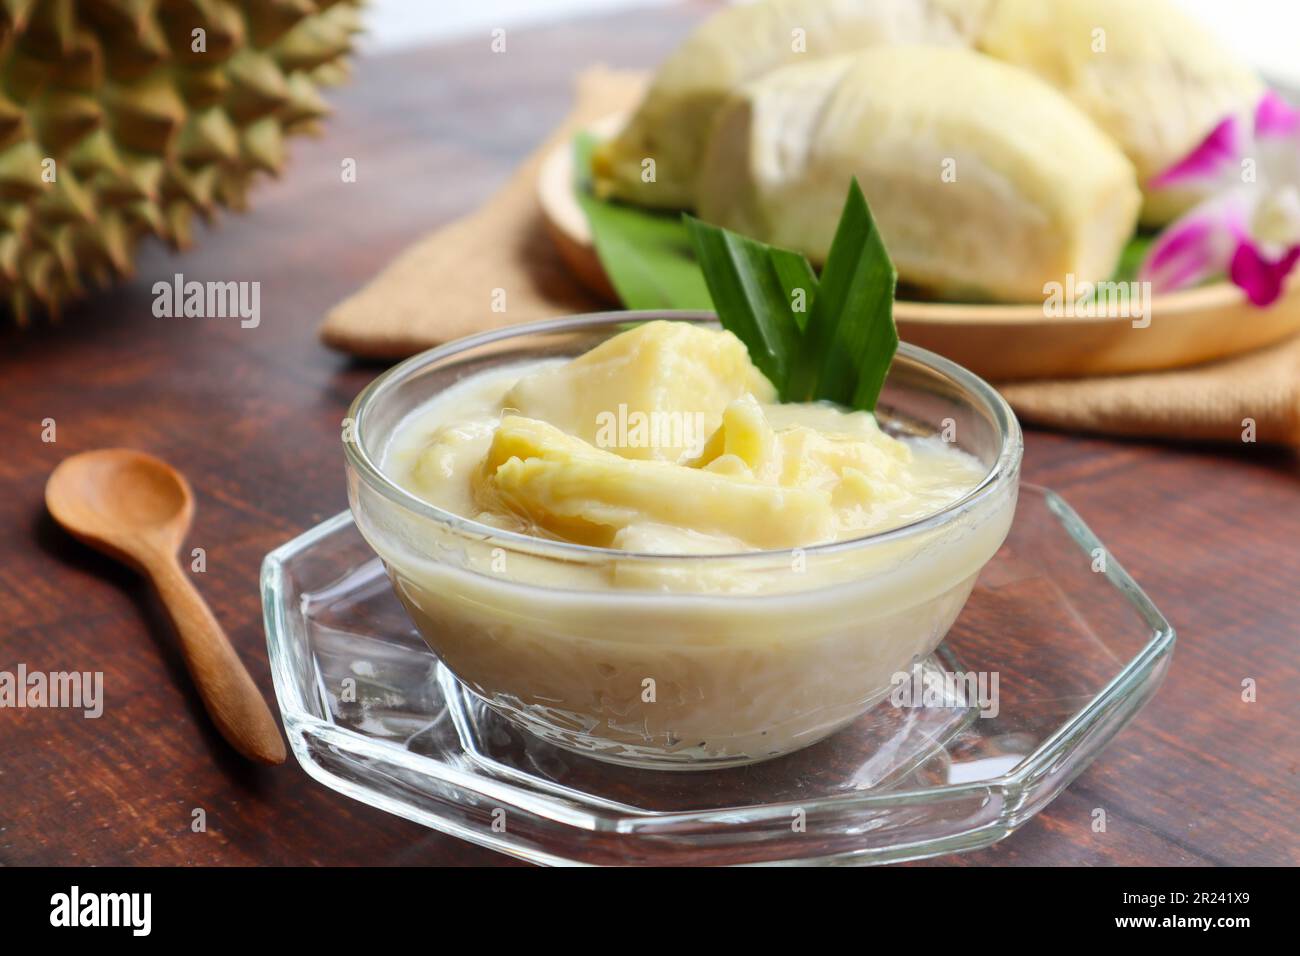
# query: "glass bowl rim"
x,y
1005,466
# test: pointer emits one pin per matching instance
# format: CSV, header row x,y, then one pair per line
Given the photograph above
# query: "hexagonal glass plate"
x,y
1073,643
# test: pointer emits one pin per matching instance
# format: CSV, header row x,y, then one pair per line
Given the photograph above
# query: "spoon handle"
x,y
232,700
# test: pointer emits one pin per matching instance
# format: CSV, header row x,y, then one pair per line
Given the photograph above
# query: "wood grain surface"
x,y
252,417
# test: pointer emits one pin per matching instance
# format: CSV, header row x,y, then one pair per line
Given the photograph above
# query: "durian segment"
x,y
824,450
744,440
985,182
564,486
653,392
1149,75
672,124
755,485
125,118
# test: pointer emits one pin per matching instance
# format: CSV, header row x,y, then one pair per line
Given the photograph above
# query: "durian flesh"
x,y
126,118
1153,79
672,124
1148,75
985,182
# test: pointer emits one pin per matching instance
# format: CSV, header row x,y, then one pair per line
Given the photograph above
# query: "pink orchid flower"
x,y
1248,223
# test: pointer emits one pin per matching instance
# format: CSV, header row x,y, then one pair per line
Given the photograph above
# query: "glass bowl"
x,y
1075,645
680,661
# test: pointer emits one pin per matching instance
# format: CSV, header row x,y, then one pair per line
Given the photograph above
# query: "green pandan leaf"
x,y
840,345
750,285
647,255
850,339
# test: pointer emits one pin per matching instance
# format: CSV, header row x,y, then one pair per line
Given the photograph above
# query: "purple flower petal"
x,y
1261,277
1275,117
1209,161
1197,246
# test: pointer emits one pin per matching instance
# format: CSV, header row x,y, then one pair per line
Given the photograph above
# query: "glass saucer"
x,y
1055,651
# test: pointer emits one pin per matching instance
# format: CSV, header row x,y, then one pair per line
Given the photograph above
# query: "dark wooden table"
x,y
252,416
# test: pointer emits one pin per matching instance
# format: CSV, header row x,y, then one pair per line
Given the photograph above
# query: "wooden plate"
x,y
1000,342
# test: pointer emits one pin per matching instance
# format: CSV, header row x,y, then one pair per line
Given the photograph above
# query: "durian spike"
x,y
146,173
64,119
270,19
316,41
129,13
209,137
198,186
146,215
113,239
203,88
116,188
50,27
67,201
180,225
8,255
63,244
139,43
94,154
232,189
145,115
332,74
83,69
20,306
258,87
37,271
15,14
223,32
305,102
262,145
20,171
12,120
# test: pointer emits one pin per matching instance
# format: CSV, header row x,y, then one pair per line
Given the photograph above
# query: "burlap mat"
x,y
498,267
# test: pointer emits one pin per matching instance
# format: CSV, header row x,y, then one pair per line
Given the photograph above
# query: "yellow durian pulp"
x,y
587,494
672,124
763,474
1148,74
984,181
656,372
1151,78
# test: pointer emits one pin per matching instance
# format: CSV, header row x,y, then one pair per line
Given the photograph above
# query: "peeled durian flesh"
x,y
126,118
671,126
984,181
1149,75
586,494
659,371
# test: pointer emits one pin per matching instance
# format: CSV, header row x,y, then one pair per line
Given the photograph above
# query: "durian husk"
x,y
118,121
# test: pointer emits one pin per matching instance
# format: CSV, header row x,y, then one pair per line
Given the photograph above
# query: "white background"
x,y
1265,31
397,23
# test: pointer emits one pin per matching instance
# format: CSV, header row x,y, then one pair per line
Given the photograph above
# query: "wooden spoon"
x,y
137,509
